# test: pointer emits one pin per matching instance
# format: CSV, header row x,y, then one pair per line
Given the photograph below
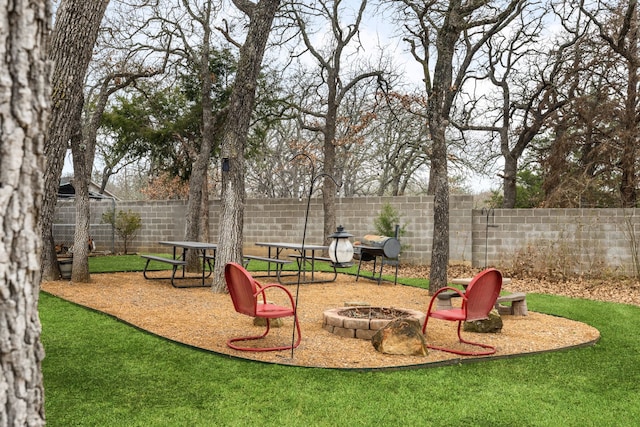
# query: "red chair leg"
x,y
491,349
250,338
257,337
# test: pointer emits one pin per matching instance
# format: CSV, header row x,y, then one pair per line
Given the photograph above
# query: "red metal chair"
x,y
477,302
244,291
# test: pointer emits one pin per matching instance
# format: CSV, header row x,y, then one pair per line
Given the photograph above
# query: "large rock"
x,y
401,336
491,325
274,323
261,321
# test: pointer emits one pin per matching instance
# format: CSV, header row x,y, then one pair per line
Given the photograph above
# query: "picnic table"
x,y
305,256
179,260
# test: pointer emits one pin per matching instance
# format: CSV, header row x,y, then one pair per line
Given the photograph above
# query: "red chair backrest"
x,y
242,288
482,293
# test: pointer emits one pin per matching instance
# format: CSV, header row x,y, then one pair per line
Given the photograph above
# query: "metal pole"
x,y
486,213
304,236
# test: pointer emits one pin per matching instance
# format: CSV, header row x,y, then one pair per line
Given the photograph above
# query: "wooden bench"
x,y
175,263
518,305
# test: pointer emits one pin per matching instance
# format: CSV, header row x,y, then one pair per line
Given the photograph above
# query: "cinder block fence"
x,y
576,240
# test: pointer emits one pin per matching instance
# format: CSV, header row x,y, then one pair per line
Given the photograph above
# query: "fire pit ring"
x,y
364,322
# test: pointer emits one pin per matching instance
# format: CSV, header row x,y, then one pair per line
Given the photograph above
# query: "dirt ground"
x,y
201,318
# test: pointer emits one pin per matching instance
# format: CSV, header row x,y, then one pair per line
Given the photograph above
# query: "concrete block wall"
x,y
577,239
278,220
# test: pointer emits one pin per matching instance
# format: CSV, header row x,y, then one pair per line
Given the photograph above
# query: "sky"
x,y
378,31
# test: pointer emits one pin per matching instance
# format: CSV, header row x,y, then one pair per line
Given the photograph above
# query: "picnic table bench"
x,y
304,251
312,260
279,263
315,258
179,260
175,263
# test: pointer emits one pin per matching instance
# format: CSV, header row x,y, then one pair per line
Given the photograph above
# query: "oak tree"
x,y
24,109
76,28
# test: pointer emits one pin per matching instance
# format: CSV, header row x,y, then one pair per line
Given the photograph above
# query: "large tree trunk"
x,y
72,41
439,106
440,245
80,268
24,106
509,182
198,177
235,137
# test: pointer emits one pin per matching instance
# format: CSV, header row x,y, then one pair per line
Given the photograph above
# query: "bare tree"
x,y
453,33
322,100
83,148
272,174
198,205
622,38
121,62
402,146
76,29
590,144
24,109
526,77
261,15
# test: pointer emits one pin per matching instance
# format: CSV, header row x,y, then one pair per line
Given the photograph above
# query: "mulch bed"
x,y
201,318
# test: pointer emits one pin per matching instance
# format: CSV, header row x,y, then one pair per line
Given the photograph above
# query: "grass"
x,y
116,263
101,372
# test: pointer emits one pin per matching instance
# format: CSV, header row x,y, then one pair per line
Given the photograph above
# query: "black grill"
x,y
373,247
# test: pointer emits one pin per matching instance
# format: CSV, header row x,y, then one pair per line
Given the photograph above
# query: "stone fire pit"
x,y
364,322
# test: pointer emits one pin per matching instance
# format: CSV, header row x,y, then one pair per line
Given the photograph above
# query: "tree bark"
x,y
438,108
234,139
80,266
24,109
442,28
198,177
72,40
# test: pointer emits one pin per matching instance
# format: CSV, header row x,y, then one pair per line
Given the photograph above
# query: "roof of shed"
x,y
68,191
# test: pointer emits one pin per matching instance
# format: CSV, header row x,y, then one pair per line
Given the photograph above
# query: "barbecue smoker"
x,y
382,249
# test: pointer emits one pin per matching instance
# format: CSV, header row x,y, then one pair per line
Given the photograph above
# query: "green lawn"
x,y
101,372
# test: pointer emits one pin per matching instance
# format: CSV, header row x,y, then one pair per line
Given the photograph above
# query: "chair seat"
x,y
452,314
273,311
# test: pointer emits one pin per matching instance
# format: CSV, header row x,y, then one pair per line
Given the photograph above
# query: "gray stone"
x,y
401,336
491,325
